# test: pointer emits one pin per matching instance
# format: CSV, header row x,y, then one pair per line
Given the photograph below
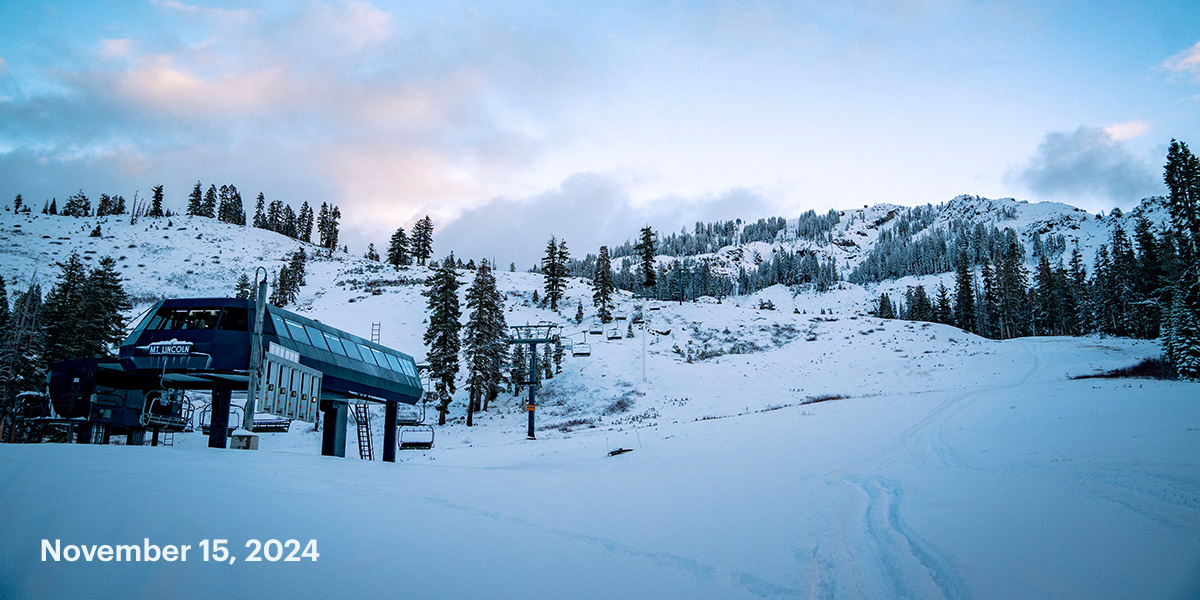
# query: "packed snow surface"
x,y
990,476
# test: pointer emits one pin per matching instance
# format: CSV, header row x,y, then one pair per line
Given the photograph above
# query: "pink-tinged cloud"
x,y
1127,130
353,24
1187,62
116,48
158,84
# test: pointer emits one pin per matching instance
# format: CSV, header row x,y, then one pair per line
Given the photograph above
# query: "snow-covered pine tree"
x,y
78,205
397,252
485,340
243,288
156,202
195,205
208,207
964,296
260,217
602,286
61,337
105,206
579,313
558,356
645,253
105,305
422,240
304,223
554,273
442,335
943,311
371,253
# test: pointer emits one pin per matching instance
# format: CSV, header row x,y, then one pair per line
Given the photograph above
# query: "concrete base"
x,y
243,441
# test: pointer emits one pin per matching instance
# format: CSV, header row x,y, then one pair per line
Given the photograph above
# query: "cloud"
x,y
1187,62
115,48
1090,167
587,210
1127,131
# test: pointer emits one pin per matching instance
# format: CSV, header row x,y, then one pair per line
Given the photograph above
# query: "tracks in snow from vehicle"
x,y
905,564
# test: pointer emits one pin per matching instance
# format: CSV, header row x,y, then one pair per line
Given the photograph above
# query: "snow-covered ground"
x,y
807,451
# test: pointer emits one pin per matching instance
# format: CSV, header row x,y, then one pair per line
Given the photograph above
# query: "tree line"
x,y
1145,286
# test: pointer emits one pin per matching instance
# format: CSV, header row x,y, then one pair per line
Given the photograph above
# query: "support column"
x,y
390,412
532,386
333,440
135,437
83,433
154,438
218,427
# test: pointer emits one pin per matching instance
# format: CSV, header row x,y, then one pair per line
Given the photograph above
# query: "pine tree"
x,y
422,240
485,340
275,216
884,308
64,332
77,205
260,217
17,204
20,349
103,310
304,223
554,272
287,222
371,253
243,288
327,226
442,335
53,206
579,313
1150,281
195,204
105,206
602,286
397,252
1046,296
943,312
964,296
225,205
156,202
208,206
645,251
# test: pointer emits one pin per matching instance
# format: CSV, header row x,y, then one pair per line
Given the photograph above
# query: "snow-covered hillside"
x,y
805,451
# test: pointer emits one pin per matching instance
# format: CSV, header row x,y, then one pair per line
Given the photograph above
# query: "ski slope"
x,y
1016,485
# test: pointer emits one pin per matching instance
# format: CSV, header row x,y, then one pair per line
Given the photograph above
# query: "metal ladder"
x,y
362,418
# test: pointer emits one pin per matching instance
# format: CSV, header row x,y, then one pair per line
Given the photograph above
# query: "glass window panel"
x,y
316,337
351,350
202,318
394,363
280,328
234,319
297,332
379,359
366,354
408,368
335,344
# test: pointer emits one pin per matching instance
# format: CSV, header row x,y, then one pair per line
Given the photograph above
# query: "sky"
x,y
509,122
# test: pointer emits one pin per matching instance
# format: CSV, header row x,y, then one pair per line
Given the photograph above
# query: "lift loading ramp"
x,y
288,388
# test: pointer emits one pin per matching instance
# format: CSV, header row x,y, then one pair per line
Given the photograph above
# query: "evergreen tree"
x,y
602,286
371,253
20,351
225,205
1150,282
397,252
884,308
105,207
579,313
260,217
195,204
442,335
119,204
287,222
327,226
943,312
243,288
275,216
920,308
485,340
304,223
1182,176
53,206
518,368
103,310
208,206
645,252
1046,296
282,293
156,202
17,204
78,205
554,272
964,297
422,240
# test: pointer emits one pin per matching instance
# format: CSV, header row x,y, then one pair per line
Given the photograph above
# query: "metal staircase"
x,y
362,418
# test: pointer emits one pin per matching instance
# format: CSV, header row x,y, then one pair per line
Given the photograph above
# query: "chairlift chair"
x,y
581,350
597,327
614,334
414,433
